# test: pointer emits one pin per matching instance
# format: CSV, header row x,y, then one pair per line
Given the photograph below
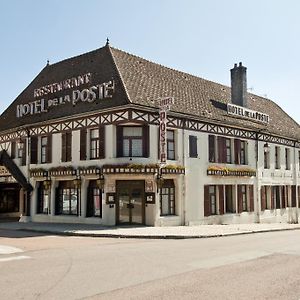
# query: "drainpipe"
x,y
183,181
257,177
295,181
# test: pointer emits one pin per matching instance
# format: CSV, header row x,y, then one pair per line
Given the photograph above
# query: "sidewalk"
x,y
176,232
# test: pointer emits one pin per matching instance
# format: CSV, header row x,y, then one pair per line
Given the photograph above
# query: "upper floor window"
x,y
170,144
132,141
221,150
96,145
66,149
299,158
266,160
277,157
193,146
46,149
287,159
228,150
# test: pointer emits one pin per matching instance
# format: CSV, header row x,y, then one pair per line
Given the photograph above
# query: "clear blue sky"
x,y
201,37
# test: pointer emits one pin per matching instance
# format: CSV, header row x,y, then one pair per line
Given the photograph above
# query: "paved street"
x,y
257,266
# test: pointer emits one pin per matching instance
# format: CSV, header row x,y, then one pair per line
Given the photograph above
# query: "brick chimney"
x,y
239,85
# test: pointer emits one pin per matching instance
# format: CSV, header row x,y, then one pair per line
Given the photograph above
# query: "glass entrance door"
x,y
130,202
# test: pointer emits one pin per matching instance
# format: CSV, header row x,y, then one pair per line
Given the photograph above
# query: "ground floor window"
x,y
9,199
167,198
94,200
220,199
43,200
67,198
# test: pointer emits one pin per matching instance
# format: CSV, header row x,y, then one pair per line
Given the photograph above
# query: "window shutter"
x,y
101,141
63,147
49,149
211,148
251,197
263,198
193,146
298,196
68,146
13,150
206,201
283,199
237,151
145,141
293,196
23,159
272,197
119,141
33,149
83,144
39,198
240,199
221,149
221,199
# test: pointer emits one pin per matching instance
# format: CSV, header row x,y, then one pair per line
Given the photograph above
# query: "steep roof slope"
x,y
147,81
99,63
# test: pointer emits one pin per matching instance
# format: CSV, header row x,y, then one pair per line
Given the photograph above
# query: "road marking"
x,y
14,258
9,250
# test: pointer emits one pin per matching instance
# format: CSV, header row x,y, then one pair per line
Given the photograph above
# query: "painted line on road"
x,y
14,258
9,250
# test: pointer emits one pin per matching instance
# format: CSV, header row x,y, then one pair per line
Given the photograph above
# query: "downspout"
x,y
257,177
296,182
183,181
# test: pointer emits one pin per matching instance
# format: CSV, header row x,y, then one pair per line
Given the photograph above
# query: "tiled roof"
x,y
147,81
142,82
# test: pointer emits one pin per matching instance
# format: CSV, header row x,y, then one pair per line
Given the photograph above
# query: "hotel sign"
x,y
246,113
99,91
164,106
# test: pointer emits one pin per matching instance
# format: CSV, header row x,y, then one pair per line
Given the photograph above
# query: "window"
x,y
212,199
67,199
170,144
132,141
228,150
266,159
167,198
193,146
277,157
287,159
94,143
243,153
276,195
21,151
244,198
45,149
43,200
211,148
44,145
94,201
66,149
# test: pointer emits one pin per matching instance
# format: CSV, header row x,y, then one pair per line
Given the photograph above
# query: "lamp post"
x,y
101,182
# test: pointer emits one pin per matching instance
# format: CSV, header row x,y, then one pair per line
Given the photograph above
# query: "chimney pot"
x,y
240,64
235,65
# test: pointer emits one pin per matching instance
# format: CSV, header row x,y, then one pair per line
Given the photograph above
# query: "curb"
x,y
140,236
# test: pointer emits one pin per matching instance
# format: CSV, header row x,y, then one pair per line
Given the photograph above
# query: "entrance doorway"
x,y
130,202
9,198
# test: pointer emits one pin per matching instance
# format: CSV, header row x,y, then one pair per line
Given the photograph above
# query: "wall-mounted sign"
x,y
240,111
164,106
4,171
96,92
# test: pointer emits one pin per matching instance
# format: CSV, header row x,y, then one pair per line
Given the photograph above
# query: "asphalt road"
x,y
257,266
